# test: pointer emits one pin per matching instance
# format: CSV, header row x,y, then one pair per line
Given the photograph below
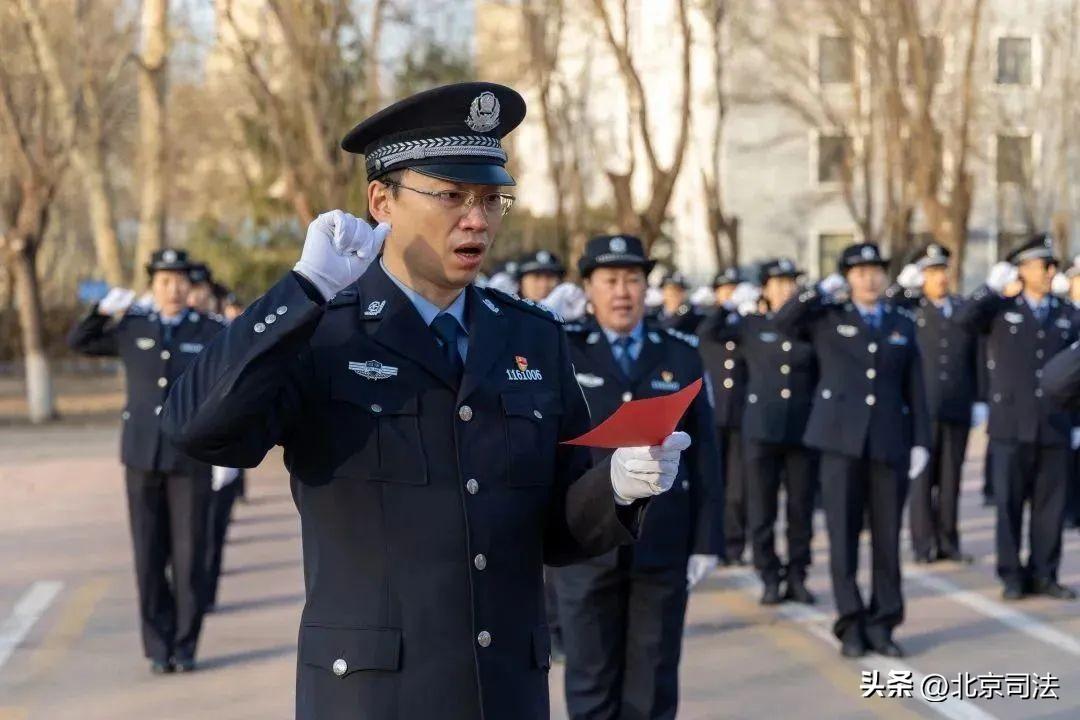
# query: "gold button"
x,y
465,413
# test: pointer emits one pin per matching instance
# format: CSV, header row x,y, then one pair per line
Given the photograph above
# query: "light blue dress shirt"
x,y
428,310
637,337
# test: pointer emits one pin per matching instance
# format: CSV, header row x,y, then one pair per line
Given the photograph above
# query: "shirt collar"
x,y
637,334
868,310
1036,304
427,309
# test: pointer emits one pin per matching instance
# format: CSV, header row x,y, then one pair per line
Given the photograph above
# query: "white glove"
x,y
919,457
1001,274
641,472
832,284
1074,441
1060,284
699,566
703,297
568,300
654,297
744,298
338,248
910,278
504,282
222,476
116,301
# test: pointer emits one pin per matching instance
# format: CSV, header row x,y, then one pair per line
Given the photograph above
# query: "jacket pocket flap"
x,y
376,401
345,650
530,405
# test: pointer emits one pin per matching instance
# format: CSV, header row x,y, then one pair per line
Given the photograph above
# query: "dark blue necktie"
x,y
625,359
871,319
1040,313
447,329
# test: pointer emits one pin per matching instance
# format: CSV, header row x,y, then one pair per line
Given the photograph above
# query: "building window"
x,y
934,50
1014,159
833,157
1014,61
836,60
830,246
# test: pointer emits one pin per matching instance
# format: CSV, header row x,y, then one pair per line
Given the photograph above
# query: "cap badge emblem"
x,y
483,113
617,245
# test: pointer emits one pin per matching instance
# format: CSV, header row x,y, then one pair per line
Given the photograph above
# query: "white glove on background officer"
x,y
503,282
654,297
910,278
703,297
699,566
919,457
832,284
1001,275
980,413
568,300
222,476
744,298
1060,284
116,301
641,472
1074,441
338,248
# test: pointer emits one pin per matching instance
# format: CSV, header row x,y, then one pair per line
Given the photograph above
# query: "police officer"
x,y
421,419
538,273
782,373
870,423
623,612
676,312
168,491
949,357
727,371
201,296
1029,435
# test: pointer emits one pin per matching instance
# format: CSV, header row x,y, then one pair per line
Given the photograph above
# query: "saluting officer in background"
x,y
950,373
168,491
623,612
727,370
676,312
1029,435
782,372
870,423
421,419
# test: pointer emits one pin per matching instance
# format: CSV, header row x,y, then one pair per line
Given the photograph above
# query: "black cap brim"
x,y
469,173
586,268
169,267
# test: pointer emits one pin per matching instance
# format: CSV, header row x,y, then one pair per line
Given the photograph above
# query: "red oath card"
x,y
641,422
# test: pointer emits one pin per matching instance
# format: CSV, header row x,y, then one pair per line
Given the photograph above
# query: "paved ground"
x,y
69,646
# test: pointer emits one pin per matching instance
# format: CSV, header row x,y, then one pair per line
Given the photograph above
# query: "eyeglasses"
x,y
490,203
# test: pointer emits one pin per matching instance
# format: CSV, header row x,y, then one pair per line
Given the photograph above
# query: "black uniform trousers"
x,y
769,467
168,529
735,510
854,488
218,518
935,493
628,627
1037,474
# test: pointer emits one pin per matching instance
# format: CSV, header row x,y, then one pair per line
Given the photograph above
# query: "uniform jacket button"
x,y
376,408
785,393
465,413
270,319
685,484
785,369
259,327
162,382
627,396
729,383
165,354
826,393
870,400
786,346
484,638
872,347
340,667
480,562
871,373
729,364
538,415
282,310
752,398
472,486
1038,392
729,345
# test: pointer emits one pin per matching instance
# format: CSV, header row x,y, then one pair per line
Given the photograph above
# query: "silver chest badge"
x,y
373,370
483,113
848,331
191,347
1014,317
375,308
588,380
145,343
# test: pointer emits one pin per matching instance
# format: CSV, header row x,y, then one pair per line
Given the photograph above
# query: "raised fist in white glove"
x,y
1060,284
919,457
699,566
568,300
744,298
910,278
703,297
832,284
338,248
116,301
641,472
1001,275
980,413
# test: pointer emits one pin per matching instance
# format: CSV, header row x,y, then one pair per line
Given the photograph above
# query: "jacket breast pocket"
x,y
381,433
532,427
346,650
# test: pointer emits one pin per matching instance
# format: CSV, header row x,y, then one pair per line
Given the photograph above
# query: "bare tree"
x,y
153,137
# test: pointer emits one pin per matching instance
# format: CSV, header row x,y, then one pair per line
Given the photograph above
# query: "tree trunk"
x,y
152,140
39,393
102,216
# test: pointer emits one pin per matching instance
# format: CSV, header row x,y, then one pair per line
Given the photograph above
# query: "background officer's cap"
x,y
933,255
860,254
169,259
727,276
614,251
780,267
675,278
199,273
540,261
1040,247
450,132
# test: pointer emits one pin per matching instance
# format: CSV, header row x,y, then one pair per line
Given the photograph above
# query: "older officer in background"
x,y
623,612
168,491
950,373
782,373
726,369
421,419
1029,435
871,425
676,312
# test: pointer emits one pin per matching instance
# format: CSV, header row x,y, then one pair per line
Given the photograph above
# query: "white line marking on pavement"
x,y
1013,618
31,606
817,624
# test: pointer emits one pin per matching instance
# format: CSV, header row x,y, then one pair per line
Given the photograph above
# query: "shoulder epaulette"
x,y
348,296
137,311
573,327
905,312
691,340
535,308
